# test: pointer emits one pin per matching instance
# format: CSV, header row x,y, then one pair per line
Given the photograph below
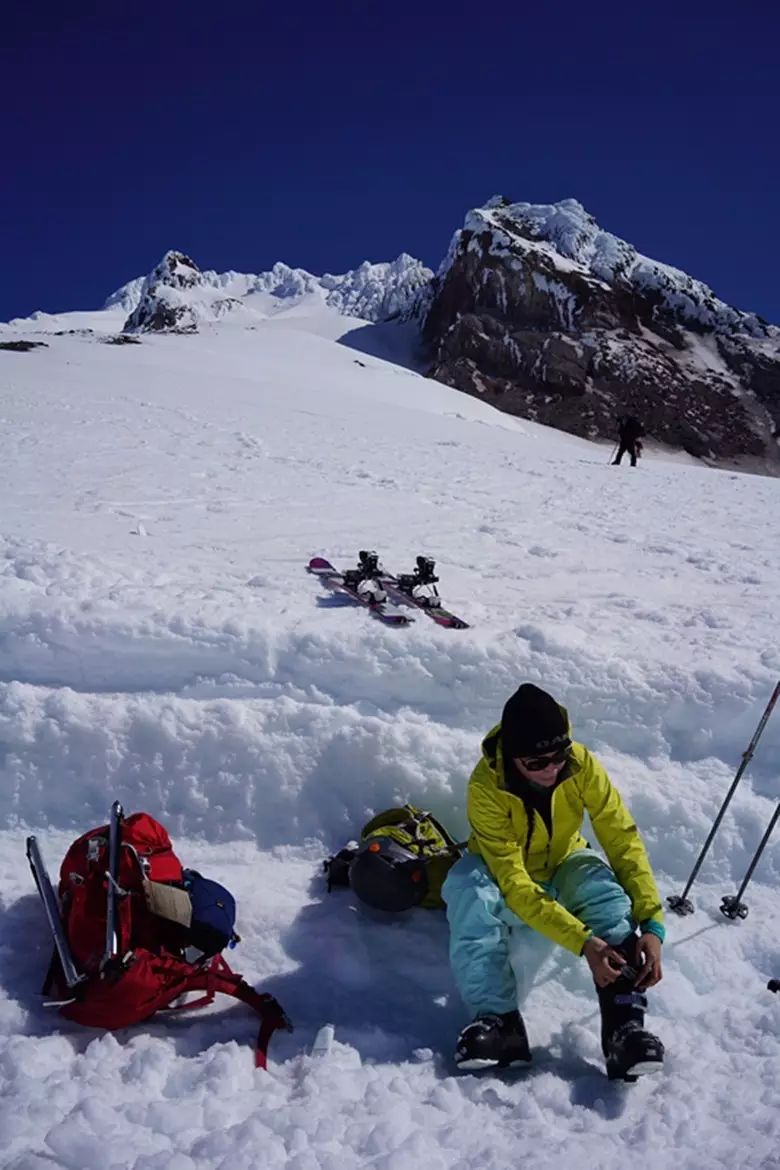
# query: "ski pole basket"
x,y
734,907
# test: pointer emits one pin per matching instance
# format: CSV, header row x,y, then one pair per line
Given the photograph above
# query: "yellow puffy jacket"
x,y
519,854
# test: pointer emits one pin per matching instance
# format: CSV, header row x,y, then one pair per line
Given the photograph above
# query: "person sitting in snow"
x,y
630,432
528,866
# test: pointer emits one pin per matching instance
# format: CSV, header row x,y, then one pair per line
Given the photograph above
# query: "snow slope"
x,y
161,643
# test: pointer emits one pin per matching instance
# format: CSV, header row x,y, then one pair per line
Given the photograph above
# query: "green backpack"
x,y
419,834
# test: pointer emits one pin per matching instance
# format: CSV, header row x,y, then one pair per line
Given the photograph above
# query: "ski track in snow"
x,y
161,643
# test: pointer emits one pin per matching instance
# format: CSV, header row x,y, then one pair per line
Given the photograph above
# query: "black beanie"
x,y
532,723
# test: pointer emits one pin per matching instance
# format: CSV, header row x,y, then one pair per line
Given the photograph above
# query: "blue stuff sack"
x,y
213,914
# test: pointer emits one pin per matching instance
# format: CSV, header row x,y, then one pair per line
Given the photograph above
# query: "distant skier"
x,y
630,432
527,866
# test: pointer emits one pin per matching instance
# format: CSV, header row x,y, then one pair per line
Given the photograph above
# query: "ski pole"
x,y
52,911
614,452
112,876
735,907
681,903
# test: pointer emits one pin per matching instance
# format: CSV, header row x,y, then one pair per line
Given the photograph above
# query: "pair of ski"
x,y
73,977
381,592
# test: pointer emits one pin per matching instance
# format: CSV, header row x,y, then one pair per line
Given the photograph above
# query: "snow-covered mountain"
x,y
540,311
535,309
176,295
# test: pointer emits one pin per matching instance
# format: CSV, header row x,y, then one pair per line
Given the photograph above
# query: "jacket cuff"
x,y
652,926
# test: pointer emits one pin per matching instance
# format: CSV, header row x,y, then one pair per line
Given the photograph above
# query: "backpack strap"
x,y
401,818
412,819
218,977
455,847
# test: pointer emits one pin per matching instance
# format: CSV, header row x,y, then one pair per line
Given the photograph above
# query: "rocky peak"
x,y
539,310
177,270
163,304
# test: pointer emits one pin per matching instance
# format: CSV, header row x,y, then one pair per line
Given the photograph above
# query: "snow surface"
x,y
160,643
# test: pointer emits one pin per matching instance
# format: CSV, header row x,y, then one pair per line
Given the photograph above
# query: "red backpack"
x,y
152,963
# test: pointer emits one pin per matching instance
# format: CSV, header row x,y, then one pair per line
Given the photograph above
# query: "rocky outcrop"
x,y
543,314
175,297
22,346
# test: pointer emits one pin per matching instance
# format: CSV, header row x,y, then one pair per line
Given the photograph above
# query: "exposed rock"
x,y
539,311
176,297
21,346
162,306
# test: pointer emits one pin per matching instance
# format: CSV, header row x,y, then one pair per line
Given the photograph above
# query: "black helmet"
x,y
387,876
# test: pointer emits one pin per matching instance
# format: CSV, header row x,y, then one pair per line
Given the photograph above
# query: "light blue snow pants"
x,y
480,922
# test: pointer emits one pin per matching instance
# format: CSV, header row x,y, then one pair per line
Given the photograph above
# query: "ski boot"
x,y
630,1051
493,1041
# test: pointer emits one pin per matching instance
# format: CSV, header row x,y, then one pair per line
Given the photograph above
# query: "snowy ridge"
x,y
572,240
126,297
372,292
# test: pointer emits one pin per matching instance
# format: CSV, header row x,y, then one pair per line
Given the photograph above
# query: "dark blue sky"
x,y
323,133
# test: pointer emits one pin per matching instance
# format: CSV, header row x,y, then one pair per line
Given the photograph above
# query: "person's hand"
x,y
604,961
649,952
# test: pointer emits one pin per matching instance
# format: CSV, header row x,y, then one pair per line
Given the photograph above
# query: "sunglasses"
x,y
539,763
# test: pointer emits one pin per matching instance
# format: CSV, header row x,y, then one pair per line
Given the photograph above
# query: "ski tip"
x,y
320,565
